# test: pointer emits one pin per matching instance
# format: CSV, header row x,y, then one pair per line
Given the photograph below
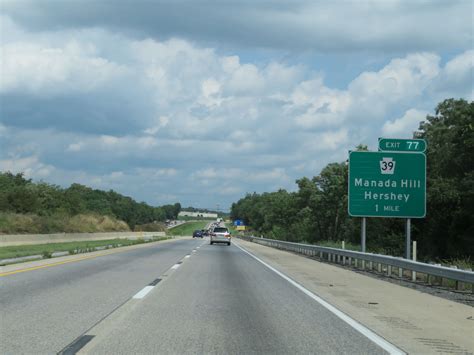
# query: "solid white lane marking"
x,y
175,266
143,292
187,256
377,339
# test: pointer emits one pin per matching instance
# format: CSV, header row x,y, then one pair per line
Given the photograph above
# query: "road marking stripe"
x,y
377,339
175,266
143,292
187,256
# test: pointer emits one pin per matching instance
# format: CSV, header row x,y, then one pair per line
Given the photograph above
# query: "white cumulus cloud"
x,y
405,125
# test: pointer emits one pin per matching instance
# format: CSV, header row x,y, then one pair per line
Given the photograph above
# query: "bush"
x,y
13,223
150,227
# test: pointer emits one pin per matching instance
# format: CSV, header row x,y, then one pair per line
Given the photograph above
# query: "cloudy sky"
x,y
202,101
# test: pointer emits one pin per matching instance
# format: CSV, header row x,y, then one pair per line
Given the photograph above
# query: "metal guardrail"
x,y
349,257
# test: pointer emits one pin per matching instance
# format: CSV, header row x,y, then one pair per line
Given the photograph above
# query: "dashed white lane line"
x,y
375,338
143,292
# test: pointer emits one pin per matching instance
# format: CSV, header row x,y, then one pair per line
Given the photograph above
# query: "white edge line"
x,y
175,266
377,339
143,292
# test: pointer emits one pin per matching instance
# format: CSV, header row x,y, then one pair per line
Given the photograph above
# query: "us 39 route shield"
x,y
387,184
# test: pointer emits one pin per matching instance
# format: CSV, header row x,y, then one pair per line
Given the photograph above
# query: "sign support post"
x,y
363,229
408,239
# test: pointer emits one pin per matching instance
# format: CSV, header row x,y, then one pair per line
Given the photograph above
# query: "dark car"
x,y
198,234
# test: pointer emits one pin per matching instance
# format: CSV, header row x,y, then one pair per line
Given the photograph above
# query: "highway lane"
x,y
221,300
41,311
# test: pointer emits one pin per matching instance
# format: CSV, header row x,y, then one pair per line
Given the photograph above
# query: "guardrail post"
x,y
350,261
363,264
379,267
400,272
371,265
389,270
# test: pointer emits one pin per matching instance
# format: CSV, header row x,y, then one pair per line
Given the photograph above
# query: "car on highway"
x,y
220,235
198,234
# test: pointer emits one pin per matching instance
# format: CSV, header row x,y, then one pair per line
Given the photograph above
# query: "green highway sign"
x,y
387,184
402,145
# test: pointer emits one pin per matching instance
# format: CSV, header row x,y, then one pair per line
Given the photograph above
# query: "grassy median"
x,y
187,228
16,251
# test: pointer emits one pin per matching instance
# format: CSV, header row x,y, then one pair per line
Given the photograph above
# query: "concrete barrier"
x,y
24,239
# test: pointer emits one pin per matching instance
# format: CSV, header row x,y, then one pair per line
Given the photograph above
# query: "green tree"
x,y
448,230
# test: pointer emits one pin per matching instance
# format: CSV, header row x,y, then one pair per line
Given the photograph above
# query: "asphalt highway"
x,y
42,311
202,299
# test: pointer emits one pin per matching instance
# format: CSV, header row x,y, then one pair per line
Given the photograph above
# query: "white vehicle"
x,y
220,235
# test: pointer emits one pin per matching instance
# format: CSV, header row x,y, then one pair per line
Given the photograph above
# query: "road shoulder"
x,y
417,322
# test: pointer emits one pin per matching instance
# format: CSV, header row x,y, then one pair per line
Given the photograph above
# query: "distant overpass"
x,y
197,214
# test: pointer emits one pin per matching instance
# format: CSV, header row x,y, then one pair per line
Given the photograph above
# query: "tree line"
x,y
317,211
23,196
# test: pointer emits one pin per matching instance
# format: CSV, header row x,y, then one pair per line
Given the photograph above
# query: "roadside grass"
x,y
233,231
463,264
150,227
46,250
15,223
187,228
